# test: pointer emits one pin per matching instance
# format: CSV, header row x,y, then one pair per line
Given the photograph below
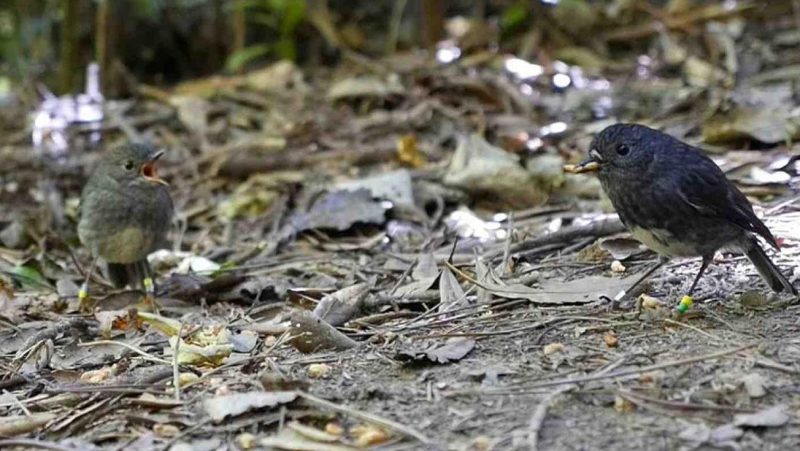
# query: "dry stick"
x,y
658,366
16,402
631,396
603,227
176,374
537,325
285,337
245,165
537,419
774,365
366,417
32,443
704,14
130,347
690,327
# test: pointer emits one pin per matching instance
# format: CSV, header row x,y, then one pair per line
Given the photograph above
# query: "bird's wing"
x,y
706,189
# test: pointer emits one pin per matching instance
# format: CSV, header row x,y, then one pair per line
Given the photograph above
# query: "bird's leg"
x,y
83,291
149,285
687,300
621,295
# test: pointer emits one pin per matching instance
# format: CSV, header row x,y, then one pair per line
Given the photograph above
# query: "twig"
x,y
631,396
176,374
395,20
126,345
606,226
505,268
366,417
245,165
17,403
703,14
689,326
616,374
32,443
537,419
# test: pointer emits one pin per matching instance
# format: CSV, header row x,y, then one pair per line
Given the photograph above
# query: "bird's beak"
x,y
148,170
591,164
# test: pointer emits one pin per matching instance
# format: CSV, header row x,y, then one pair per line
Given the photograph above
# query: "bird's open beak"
x,y
149,172
591,164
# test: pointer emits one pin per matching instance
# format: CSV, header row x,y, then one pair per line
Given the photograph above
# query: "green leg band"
x,y
149,287
685,304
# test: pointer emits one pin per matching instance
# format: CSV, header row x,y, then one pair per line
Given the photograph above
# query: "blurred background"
x,y
477,104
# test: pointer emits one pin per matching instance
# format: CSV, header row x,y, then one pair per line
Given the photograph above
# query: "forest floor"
x,y
422,210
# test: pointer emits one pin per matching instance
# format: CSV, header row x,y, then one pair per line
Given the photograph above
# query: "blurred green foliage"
x,y
281,17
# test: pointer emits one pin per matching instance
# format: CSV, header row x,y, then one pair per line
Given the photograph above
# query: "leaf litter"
x,y
417,213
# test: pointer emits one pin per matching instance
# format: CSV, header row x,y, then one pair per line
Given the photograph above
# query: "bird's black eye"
x,y
623,150
129,165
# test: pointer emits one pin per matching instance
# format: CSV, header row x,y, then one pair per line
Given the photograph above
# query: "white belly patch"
x,y
660,241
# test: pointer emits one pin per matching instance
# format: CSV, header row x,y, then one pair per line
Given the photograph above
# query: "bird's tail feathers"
x,y
767,269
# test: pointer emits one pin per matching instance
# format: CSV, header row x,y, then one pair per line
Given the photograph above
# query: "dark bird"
x,y
677,201
125,214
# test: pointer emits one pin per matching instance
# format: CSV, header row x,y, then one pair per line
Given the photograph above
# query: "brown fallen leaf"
x,y
311,334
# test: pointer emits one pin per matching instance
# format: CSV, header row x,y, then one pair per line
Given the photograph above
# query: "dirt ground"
x,y
387,254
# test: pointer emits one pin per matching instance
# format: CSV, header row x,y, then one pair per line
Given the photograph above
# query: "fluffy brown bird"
x,y
125,214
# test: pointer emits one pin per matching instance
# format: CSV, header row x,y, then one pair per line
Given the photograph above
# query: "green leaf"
x,y
224,268
514,16
29,276
294,13
286,48
245,56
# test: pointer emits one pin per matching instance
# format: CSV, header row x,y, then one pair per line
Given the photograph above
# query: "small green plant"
x,y
280,16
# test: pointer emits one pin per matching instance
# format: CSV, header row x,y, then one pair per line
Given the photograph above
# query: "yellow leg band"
x,y
148,285
685,304
83,292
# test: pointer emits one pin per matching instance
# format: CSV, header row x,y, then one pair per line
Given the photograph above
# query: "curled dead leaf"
x,y
552,348
369,435
318,370
611,340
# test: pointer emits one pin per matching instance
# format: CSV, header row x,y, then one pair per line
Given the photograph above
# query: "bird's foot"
x,y
685,304
149,301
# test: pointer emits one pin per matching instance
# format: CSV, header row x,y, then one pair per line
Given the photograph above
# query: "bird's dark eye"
x,y
129,165
623,150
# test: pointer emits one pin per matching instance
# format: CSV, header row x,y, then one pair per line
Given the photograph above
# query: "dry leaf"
x,y
246,440
772,417
622,405
369,435
451,295
166,430
611,340
492,174
221,407
754,383
552,348
408,153
318,370
99,375
339,307
452,350
340,210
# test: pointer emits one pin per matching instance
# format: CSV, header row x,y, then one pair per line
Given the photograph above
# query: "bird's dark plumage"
x,y
676,200
125,212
